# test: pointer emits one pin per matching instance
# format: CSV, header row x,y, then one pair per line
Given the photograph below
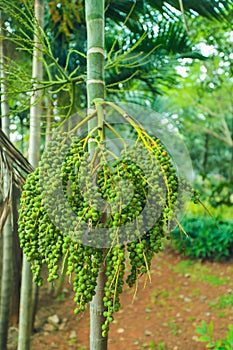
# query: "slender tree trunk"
x,y
95,89
7,249
17,260
37,74
26,297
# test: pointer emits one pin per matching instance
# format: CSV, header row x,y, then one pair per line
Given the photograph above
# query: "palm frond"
x,y
16,162
212,9
161,50
15,167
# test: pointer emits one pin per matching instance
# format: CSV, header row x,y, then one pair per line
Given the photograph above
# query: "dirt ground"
x,y
163,316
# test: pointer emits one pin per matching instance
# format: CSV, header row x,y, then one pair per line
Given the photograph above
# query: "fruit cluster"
x,y
98,209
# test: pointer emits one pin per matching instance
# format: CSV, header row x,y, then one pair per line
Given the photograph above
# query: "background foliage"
x,y
205,239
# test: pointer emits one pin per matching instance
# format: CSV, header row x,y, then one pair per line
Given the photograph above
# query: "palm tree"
x,y
95,89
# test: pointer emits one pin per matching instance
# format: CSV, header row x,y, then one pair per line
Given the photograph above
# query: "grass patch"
x,y
199,273
224,301
214,280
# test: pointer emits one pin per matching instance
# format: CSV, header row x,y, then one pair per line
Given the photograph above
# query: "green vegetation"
x,y
221,212
205,239
206,332
198,272
213,280
148,346
161,346
224,301
173,327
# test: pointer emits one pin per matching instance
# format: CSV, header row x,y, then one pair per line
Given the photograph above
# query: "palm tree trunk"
x,y
17,260
7,249
37,75
26,297
95,89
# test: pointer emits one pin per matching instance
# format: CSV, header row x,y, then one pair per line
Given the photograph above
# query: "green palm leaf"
x,y
212,9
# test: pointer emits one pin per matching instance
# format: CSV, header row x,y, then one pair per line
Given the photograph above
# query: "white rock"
x,y
187,300
73,334
120,330
48,327
54,319
195,338
148,333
